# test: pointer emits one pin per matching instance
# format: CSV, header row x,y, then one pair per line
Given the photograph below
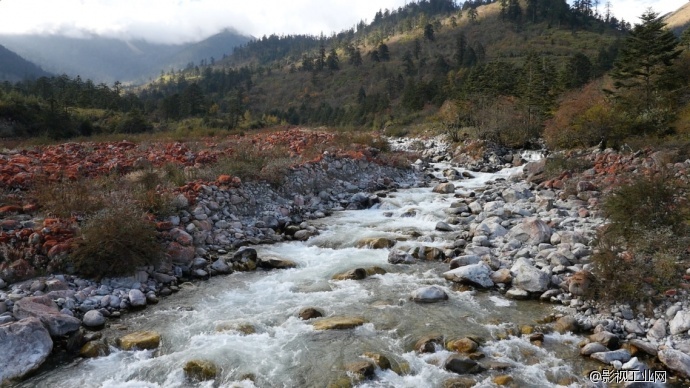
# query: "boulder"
x,y
644,346
275,263
474,274
443,227
93,319
463,345
396,256
676,361
24,346
444,188
528,277
338,323
137,298
621,355
591,348
244,255
140,340
606,338
200,370
93,349
680,323
428,253
308,313
353,274
501,275
429,294
658,330
517,294
221,266
531,231
566,324
462,365
43,308
464,260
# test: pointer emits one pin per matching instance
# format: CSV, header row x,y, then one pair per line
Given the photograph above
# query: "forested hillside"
x,y
15,68
507,71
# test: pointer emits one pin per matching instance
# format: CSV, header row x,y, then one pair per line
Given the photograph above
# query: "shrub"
x,y
115,241
640,248
555,165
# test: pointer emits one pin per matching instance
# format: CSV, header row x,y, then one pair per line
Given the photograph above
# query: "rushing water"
x,y
285,351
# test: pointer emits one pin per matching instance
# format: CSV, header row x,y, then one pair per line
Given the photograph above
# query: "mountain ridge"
x,y
108,60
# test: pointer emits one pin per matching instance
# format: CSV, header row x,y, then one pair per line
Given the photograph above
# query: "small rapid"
x,y
247,323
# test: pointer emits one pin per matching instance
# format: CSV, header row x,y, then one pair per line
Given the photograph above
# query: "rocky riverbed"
x,y
513,233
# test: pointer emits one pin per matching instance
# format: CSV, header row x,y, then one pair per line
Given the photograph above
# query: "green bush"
x,y
641,248
115,241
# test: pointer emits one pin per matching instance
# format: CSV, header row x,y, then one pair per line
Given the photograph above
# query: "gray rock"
x,y
221,266
24,346
462,261
591,348
621,355
676,361
474,274
517,293
43,308
429,294
658,330
396,256
531,231
673,310
633,327
137,298
680,323
644,346
444,188
462,365
606,338
93,318
528,277
443,227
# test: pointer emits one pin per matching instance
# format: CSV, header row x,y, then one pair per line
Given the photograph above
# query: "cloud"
x,y
172,21
184,20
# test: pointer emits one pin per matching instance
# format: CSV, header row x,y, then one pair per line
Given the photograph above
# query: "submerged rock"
x,y
353,274
375,243
308,313
361,369
200,370
93,349
396,256
429,343
338,323
462,365
24,346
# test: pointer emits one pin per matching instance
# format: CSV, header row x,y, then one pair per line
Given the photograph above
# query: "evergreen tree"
x,y
646,56
408,64
332,61
355,57
384,54
429,32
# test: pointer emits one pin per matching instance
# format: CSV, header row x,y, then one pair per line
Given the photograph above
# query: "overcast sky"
x,y
188,20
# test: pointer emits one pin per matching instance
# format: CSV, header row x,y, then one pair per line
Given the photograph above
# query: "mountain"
x,y
15,68
108,59
679,19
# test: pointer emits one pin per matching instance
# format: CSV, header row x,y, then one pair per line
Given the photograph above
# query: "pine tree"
x,y
646,56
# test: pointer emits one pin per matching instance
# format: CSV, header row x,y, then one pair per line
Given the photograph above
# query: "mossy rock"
x,y
244,328
338,323
200,370
140,340
502,380
93,349
462,345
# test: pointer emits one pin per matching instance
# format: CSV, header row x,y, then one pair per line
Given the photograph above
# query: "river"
x,y
285,351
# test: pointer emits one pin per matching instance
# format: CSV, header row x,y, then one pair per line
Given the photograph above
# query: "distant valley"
x,y
107,59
